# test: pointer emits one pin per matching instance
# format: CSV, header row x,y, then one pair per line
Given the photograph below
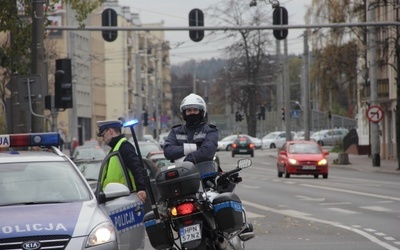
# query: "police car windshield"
x,y
40,182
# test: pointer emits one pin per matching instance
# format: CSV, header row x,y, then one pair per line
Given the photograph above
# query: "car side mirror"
x,y
282,152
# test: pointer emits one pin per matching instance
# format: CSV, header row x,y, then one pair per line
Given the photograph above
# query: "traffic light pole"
x,y
225,28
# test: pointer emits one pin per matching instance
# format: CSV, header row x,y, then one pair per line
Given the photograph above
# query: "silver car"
x,y
276,139
45,202
329,137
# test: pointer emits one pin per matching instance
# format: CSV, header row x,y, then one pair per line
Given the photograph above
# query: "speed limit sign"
x,y
375,114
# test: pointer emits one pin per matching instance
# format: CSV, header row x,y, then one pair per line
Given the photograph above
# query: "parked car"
x,y
276,139
161,139
329,137
300,135
88,153
148,137
243,145
302,158
146,147
158,158
256,141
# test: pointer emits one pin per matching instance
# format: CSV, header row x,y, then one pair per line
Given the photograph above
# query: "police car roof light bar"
x,y
29,140
130,123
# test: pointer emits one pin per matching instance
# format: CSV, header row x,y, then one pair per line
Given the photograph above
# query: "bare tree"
x,y
16,40
247,56
336,52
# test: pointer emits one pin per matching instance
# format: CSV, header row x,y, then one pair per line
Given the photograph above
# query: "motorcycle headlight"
x,y
101,234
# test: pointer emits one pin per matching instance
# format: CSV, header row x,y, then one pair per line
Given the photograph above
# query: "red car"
x,y
302,158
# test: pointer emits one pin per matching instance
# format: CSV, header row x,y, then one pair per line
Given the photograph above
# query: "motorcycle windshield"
x,y
206,169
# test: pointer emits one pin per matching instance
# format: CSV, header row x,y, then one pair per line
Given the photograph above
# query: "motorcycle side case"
x,y
159,234
178,180
228,212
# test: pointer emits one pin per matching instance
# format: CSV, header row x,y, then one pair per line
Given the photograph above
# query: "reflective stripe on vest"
x,y
114,172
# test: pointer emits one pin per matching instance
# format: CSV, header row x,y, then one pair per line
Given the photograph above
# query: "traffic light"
x,y
262,113
196,19
283,113
109,18
145,119
329,114
280,17
63,84
237,116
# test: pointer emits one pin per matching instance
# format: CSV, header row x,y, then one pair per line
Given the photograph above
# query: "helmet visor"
x,y
192,106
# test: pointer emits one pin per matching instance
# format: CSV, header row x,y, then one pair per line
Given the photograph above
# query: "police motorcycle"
x,y
198,209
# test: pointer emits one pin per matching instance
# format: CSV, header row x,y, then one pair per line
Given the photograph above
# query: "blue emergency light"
x,y
130,123
29,140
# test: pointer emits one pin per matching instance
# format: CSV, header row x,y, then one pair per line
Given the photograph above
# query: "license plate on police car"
x,y
190,233
309,167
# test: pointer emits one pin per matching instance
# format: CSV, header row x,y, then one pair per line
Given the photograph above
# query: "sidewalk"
x,y
364,163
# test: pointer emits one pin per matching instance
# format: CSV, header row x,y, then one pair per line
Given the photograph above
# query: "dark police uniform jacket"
x,y
204,135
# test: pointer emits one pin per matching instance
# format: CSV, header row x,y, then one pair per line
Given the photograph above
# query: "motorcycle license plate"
x,y
190,233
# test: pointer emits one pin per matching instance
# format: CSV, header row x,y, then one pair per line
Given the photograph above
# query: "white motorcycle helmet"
x,y
193,101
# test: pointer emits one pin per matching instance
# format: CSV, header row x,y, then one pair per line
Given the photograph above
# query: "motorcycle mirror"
x,y
244,163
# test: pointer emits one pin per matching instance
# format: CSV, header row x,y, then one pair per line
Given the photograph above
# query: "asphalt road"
x,y
349,210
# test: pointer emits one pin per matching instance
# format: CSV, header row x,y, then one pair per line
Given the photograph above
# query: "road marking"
x,y
380,234
301,215
343,211
250,187
335,203
305,198
377,208
353,192
251,215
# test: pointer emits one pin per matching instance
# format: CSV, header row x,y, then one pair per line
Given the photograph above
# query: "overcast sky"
x,y
174,13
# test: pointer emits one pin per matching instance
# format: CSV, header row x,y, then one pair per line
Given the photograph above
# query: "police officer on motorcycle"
x,y
196,140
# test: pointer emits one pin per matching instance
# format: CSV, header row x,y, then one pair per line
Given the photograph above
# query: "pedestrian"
x,y
111,131
196,140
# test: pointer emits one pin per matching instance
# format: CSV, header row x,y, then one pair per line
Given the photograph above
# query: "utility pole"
x,y
38,64
375,143
306,89
286,85
279,88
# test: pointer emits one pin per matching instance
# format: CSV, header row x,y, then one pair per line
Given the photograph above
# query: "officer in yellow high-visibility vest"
x,y
110,130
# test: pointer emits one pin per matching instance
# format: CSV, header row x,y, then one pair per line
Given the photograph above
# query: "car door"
x,y
280,140
126,212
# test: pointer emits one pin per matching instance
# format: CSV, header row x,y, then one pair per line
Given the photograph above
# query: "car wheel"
x,y
316,176
325,176
321,143
287,175
272,145
280,174
229,148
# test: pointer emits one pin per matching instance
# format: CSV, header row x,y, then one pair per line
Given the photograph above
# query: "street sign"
x,y
375,114
295,114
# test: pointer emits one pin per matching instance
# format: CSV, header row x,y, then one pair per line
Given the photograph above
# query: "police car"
x,y
46,203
